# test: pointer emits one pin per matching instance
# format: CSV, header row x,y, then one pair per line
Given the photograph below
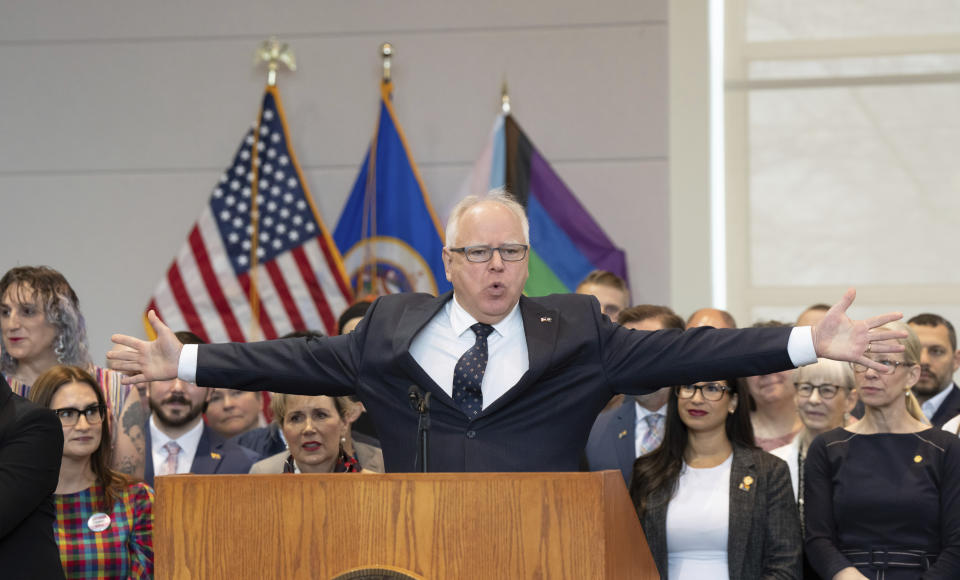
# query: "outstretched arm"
x,y
143,360
838,337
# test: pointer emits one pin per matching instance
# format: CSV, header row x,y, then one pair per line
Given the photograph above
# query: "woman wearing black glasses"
x,y
882,496
712,504
104,523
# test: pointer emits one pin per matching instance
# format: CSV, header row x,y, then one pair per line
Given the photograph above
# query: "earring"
x,y
59,348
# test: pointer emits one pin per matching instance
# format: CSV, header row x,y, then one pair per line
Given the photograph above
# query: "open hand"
x,y
144,360
839,338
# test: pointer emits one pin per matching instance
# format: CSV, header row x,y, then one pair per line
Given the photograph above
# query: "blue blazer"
x,y
578,361
612,441
214,455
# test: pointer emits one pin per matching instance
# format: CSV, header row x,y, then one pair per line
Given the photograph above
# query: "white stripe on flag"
x,y
197,291
271,303
232,290
167,307
328,284
299,291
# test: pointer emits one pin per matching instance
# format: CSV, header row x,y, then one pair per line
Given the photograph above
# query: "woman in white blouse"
x,y
711,503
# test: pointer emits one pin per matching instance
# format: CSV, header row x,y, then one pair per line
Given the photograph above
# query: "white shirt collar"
x,y
189,441
461,320
642,411
933,403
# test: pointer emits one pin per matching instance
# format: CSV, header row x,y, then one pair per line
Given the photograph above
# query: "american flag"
x,y
298,275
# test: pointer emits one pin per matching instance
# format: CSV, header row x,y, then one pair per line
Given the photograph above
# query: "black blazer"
x,y
578,361
31,448
764,532
214,455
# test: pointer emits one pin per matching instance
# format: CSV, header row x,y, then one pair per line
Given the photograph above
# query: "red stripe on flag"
x,y
280,285
310,279
332,268
266,325
194,323
213,286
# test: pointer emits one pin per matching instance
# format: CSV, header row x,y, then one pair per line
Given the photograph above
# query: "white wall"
x,y
117,117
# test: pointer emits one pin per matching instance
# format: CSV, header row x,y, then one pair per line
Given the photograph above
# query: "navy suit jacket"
x,y
612,442
214,455
949,408
578,361
31,448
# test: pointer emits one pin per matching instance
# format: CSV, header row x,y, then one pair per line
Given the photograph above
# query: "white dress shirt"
x,y
641,427
444,339
188,443
447,336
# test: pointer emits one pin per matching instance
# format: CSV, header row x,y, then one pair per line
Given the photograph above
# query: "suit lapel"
x,y
412,321
148,464
743,493
540,325
207,459
949,408
626,446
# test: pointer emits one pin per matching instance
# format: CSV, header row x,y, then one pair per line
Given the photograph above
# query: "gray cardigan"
x,y
764,534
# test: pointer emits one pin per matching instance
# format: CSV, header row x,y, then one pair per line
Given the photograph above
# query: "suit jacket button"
x,y
471,434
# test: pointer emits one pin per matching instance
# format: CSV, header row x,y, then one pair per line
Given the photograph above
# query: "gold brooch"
x,y
746,483
215,455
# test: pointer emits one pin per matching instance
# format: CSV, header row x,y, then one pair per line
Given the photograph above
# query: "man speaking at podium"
x,y
515,382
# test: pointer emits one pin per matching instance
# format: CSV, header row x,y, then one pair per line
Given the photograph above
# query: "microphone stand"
x,y
421,404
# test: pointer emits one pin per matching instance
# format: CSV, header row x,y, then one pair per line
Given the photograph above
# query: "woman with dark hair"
x,y
42,327
104,523
882,496
711,503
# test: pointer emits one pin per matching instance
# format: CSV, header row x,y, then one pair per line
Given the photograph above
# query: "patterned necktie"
x,y
468,374
173,453
654,435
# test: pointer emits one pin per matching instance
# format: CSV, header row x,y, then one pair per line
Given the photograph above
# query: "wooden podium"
x,y
436,526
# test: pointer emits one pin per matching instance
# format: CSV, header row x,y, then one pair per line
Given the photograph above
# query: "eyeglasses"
x,y
508,252
69,416
826,390
891,365
710,391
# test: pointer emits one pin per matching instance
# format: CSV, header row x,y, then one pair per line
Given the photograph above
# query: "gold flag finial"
x,y
386,51
273,52
504,97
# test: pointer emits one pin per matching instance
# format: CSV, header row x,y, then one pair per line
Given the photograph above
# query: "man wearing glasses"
x,y
515,382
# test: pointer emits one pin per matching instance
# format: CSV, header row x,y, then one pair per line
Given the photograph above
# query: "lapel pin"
x,y
215,455
622,434
917,459
746,483
546,319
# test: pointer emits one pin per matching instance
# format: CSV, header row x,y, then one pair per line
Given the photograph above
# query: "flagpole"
x,y
271,52
368,228
504,97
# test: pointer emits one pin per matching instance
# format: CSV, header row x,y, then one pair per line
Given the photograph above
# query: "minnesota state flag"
x,y
566,243
388,233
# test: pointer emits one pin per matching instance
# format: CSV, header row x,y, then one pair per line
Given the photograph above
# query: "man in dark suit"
x,y
618,437
515,382
177,439
936,392
31,447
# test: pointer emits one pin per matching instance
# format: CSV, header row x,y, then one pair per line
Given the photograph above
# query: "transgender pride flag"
x,y
566,243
